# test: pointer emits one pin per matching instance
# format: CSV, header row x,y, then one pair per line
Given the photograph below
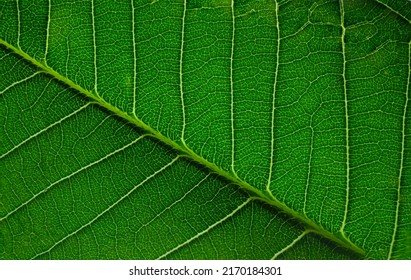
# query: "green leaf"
x,y
205,129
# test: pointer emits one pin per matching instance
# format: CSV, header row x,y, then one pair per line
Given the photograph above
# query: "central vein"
x,y
190,154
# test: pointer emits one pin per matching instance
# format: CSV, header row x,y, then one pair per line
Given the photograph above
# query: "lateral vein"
x,y
181,73
394,11
20,81
232,88
48,31
397,208
347,143
173,204
134,57
18,23
270,173
44,130
94,46
295,241
110,207
69,176
206,230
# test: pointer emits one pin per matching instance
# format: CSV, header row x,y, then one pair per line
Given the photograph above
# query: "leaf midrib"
x,y
185,151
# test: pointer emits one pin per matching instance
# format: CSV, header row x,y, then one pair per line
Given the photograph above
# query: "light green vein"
x,y
110,207
44,130
181,73
392,10
404,117
173,204
198,235
289,246
232,88
47,31
347,146
19,82
18,23
270,173
187,152
134,56
307,184
94,45
69,176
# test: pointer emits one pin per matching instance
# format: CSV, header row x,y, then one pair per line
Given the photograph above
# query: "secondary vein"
x,y
110,207
270,173
347,146
404,117
94,46
48,31
206,230
232,87
134,57
181,73
70,175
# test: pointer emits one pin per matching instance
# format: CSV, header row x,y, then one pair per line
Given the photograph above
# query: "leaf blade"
x,y
307,166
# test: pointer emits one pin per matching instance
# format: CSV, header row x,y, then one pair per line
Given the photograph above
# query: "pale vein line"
x,y
274,92
68,55
347,146
134,58
174,203
18,24
44,130
69,176
206,230
397,210
111,206
94,46
232,86
48,33
309,165
181,72
291,244
394,11
19,82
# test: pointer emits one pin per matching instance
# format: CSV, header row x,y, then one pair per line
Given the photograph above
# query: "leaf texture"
x,y
205,129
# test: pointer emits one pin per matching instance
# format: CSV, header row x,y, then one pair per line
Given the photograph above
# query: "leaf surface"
x,y
205,129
